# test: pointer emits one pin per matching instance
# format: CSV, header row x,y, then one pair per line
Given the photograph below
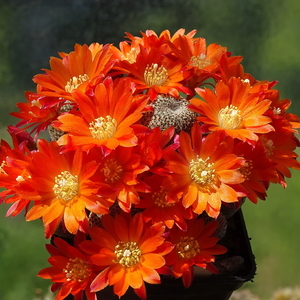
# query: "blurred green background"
x,y
266,33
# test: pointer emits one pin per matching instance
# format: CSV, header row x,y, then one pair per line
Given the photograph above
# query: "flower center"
x,y
77,270
75,82
66,186
246,169
202,172
268,144
23,176
36,103
103,128
112,170
155,75
276,111
127,254
230,117
246,80
187,247
130,56
160,199
200,61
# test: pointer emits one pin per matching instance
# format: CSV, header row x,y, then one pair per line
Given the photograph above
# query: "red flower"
x,y
72,271
280,146
196,246
13,173
39,112
159,208
278,112
151,146
119,171
258,170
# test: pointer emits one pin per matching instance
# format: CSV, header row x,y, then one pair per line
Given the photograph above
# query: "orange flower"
x,y
119,171
105,119
195,52
130,251
233,109
156,73
150,37
232,67
203,60
180,32
72,271
78,70
130,49
159,208
195,246
203,173
61,189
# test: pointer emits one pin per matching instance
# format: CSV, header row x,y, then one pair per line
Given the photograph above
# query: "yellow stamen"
x,y
160,199
127,254
268,144
77,270
246,169
20,178
130,56
276,111
245,80
230,117
75,82
202,172
36,103
188,247
66,186
3,164
155,75
23,176
200,61
103,128
112,170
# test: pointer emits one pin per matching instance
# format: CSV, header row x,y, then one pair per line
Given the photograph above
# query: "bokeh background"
x,y
266,33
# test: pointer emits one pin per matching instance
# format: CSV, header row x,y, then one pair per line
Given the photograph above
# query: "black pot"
x,y
204,287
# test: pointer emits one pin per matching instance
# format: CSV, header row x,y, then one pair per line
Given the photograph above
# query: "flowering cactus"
x,y
151,144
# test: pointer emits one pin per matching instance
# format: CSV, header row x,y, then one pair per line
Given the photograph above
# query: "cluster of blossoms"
x,y
149,142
